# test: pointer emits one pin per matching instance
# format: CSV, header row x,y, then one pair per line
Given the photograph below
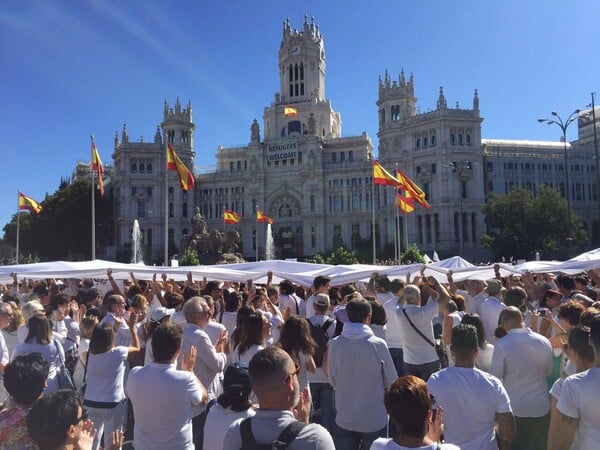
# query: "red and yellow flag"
x,y
411,187
28,204
405,202
97,167
288,111
261,217
382,176
186,178
231,217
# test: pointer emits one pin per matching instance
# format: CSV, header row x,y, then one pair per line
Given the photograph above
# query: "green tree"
x,y
412,255
339,255
521,224
189,257
62,230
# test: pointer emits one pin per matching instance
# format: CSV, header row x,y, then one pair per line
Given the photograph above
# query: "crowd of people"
x,y
507,363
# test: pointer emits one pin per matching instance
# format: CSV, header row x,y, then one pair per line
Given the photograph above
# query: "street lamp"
x,y
563,125
463,170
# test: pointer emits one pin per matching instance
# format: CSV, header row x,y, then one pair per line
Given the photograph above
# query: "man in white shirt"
x,y
393,337
320,286
578,404
211,359
474,402
289,303
115,316
490,308
165,399
381,284
522,360
322,329
360,367
420,356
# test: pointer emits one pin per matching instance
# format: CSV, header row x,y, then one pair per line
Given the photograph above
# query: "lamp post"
x,y
463,169
563,125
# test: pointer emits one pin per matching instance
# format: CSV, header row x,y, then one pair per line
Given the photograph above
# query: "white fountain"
x,y
137,255
269,252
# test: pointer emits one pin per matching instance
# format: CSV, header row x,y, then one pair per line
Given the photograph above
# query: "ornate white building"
x,y
317,185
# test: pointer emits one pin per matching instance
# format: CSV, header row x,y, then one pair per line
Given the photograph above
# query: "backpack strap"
x,y
221,316
290,432
248,440
328,322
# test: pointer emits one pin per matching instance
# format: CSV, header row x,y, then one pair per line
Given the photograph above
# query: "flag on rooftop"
x,y
288,111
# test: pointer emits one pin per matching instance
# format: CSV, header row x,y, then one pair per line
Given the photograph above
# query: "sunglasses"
x,y
83,417
295,372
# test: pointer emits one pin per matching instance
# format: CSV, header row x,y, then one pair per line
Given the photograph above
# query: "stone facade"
x,y
317,185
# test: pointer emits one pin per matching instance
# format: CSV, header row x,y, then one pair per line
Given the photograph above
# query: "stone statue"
x,y
198,223
212,246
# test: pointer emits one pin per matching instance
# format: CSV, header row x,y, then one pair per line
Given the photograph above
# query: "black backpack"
x,y
321,338
288,434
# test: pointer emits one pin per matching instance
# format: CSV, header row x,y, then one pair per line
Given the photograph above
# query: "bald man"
x,y
522,360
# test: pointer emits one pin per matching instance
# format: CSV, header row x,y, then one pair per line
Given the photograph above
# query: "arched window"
x,y
133,167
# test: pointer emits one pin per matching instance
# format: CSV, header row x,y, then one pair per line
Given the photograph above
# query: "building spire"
x,y
441,103
475,101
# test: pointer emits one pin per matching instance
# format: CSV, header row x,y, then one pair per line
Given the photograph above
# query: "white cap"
x,y
160,313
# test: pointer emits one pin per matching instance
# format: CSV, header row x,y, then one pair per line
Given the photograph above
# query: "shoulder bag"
x,y
439,348
62,373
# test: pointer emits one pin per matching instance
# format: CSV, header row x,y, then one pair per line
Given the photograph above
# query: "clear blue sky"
x,y
72,68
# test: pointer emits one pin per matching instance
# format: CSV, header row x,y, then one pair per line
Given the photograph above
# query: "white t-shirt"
x,y
296,305
214,330
389,444
217,423
209,363
164,401
470,398
4,355
579,399
123,335
319,376
484,357
234,356
52,352
105,375
489,311
393,336
522,360
228,319
473,302
416,349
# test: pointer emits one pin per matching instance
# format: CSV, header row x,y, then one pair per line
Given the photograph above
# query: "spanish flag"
x,y
29,204
288,111
405,202
382,176
231,217
186,178
411,187
261,217
97,167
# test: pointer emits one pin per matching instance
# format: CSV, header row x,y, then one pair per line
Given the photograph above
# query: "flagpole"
x,y
166,208
256,227
18,220
373,219
93,201
406,230
397,233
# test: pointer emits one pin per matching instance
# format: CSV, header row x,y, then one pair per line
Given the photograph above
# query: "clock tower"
x,y
301,87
